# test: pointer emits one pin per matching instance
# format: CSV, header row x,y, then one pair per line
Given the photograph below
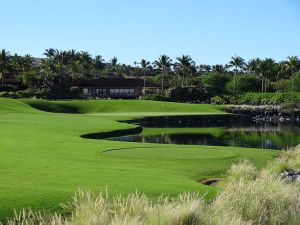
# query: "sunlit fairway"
x,y
44,160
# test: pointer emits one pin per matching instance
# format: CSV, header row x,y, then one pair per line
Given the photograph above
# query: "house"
x,y
106,87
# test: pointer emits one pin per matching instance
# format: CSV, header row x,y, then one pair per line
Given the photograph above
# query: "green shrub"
x,y
296,81
215,82
282,85
248,83
253,98
155,97
244,83
188,94
8,88
4,94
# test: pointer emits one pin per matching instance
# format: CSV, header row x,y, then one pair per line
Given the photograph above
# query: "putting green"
x,y
44,160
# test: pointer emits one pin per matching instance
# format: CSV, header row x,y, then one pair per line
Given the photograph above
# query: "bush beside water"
x,y
253,98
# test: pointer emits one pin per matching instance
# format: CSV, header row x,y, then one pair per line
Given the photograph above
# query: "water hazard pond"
x,y
265,136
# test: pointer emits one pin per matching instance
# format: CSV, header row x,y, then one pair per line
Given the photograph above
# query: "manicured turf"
x,y
44,160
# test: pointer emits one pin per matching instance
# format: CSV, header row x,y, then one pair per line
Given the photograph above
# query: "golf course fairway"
x,y
44,159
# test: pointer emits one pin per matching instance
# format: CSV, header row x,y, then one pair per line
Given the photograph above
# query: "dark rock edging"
x,y
266,114
115,133
211,181
290,176
191,120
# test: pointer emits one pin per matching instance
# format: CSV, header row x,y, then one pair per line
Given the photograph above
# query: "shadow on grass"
x,y
114,133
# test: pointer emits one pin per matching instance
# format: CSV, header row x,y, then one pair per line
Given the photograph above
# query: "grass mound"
x,y
118,106
15,106
249,197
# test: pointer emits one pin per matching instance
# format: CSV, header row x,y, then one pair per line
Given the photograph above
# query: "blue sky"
x,y
210,31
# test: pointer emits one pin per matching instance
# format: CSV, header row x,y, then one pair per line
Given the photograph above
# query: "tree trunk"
x,y
262,84
144,93
265,85
162,81
60,80
234,80
292,79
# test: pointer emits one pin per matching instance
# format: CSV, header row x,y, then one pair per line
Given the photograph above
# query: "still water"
x,y
253,136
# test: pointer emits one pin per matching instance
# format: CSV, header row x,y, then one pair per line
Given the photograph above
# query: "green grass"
x,y
44,160
248,196
123,106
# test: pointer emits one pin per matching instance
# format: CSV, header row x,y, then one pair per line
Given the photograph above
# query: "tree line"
x,y
60,68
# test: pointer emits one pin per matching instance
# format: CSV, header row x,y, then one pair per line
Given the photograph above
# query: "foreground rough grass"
x,y
249,196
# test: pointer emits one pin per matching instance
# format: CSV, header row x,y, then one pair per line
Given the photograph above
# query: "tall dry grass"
x,y
249,197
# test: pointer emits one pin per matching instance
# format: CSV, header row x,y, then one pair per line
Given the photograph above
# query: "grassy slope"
x,y
122,106
44,160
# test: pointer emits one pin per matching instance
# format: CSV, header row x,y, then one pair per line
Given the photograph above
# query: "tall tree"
x,y
5,64
292,65
164,63
85,64
219,68
253,66
207,68
98,65
145,65
57,64
21,65
237,63
50,52
114,65
267,67
61,60
185,65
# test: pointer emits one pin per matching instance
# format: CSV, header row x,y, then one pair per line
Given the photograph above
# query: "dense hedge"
x,y
258,98
8,88
41,93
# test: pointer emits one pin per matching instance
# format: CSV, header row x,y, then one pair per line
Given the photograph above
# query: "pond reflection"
x,y
255,136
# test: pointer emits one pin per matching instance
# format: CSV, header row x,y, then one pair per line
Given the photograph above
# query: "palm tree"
x,y
201,68
5,61
266,68
50,53
114,64
46,73
145,66
219,68
27,62
207,68
58,62
61,59
253,66
164,63
185,65
292,64
85,65
238,63
98,64
20,65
